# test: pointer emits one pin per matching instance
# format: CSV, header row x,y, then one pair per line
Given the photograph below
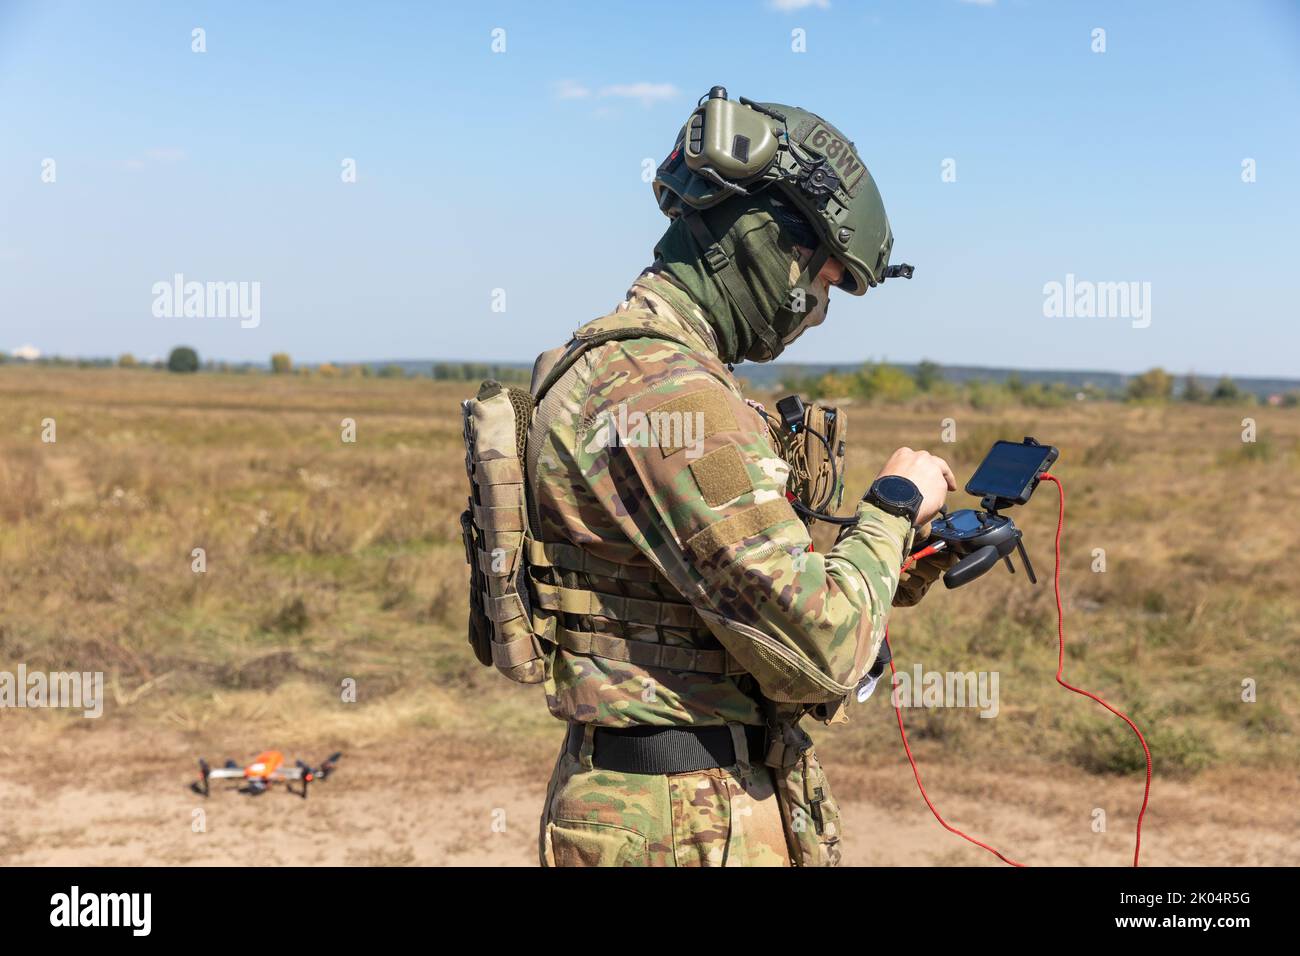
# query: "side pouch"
x,y
824,462
494,527
808,809
815,453
480,628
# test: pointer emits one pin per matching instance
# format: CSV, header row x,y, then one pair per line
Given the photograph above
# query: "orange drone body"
x,y
265,764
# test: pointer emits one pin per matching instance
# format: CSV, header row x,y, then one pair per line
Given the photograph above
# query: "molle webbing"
x,y
569,557
651,654
618,610
501,471
498,519
644,612
493,527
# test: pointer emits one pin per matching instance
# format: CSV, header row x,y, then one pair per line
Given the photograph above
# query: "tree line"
x,y
889,384
872,382
184,359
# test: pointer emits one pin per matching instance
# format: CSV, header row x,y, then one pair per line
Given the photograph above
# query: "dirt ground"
x,y
124,801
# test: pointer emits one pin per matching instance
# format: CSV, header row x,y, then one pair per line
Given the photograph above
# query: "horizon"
x,y
103,361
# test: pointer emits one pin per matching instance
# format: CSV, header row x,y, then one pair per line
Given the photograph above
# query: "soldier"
x,y
685,628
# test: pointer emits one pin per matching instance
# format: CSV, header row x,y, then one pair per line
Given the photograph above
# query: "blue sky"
x,y
522,171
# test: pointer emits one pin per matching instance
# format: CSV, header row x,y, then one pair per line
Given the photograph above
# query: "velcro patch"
x,y
684,421
838,151
721,475
743,524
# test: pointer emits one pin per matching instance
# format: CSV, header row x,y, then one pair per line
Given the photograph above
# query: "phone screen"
x,y
1009,470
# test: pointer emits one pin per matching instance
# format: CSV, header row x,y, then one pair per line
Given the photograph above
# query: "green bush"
x,y
985,396
928,375
1226,392
884,383
1193,390
183,359
1153,385
1105,744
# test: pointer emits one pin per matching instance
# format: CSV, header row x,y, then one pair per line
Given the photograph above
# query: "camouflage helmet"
x,y
729,148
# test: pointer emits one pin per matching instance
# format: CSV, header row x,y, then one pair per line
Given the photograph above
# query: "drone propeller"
x,y
200,786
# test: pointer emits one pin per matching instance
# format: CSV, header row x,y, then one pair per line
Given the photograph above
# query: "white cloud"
x,y
29,352
790,6
647,93
571,90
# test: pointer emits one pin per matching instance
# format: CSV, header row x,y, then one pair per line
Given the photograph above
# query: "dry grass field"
x,y
328,560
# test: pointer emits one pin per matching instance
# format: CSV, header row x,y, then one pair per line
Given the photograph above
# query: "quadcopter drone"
x,y
266,769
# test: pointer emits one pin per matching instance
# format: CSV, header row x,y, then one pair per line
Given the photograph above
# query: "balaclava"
x,y
758,233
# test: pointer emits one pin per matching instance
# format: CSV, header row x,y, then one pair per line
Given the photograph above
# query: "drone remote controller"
x,y
981,537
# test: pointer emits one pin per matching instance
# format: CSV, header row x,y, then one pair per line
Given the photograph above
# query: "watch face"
x,y
896,490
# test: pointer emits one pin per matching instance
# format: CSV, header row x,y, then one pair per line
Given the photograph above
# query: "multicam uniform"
x,y
682,594
658,582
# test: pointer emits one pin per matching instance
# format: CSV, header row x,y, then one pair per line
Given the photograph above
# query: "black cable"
x,y
835,472
803,509
798,505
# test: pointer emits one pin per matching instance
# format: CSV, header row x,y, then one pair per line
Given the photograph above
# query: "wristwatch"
x,y
895,495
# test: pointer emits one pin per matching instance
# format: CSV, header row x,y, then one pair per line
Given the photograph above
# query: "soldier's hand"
x,y
929,473
916,580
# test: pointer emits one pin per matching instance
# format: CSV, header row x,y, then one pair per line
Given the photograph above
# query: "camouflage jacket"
x,y
682,587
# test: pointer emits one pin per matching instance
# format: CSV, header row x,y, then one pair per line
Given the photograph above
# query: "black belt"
x,y
660,750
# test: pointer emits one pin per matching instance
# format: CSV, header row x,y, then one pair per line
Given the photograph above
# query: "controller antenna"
x,y
1024,556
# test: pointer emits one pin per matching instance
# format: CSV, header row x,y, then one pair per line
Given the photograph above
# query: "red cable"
x,y
1060,664
1060,668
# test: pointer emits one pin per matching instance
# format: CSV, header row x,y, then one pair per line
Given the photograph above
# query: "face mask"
x,y
806,304
809,306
